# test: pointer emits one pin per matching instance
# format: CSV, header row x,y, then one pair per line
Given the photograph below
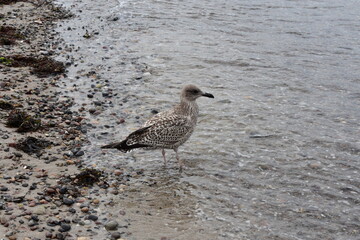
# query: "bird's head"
x,y
192,92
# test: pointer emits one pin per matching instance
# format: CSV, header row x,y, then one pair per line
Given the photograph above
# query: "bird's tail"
x,y
123,147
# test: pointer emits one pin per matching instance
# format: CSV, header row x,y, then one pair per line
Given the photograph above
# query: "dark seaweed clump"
x,y
41,66
22,121
6,105
87,177
5,2
9,35
31,145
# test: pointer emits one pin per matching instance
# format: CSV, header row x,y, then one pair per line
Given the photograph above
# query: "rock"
x,y
68,201
92,217
33,228
64,227
315,165
39,210
17,154
50,191
79,153
114,191
4,189
154,111
48,235
31,223
111,225
120,121
97,103
83,238
85,209
63,190
60,236
72,210
115,235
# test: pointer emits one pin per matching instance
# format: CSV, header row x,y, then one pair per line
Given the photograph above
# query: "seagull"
x,y
169,129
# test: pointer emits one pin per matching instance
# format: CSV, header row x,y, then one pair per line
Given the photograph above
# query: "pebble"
x,y
85,209
79,153
68,201
48,235
63,190
120,121
83,238
3,189
50,191
60,236
97,103
111,225
64,227
72,210
92,217
31,223
115,192
5,136
314,165
17,154
115,235
39,210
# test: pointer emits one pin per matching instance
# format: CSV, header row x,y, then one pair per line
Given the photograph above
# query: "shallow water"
x,y
276,154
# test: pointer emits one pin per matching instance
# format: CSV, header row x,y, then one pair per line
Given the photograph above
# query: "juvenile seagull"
x,y
169,129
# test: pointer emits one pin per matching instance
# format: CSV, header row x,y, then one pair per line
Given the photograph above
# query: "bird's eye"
x,y
195,91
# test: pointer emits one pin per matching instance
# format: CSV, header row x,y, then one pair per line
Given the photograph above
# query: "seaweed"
x,y
30,124
87,177
41,66
5,2
5,61
9,35
22,121
6,105
31,145
16,118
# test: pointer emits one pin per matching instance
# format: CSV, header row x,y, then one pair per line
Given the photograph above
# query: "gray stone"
x,y
111,225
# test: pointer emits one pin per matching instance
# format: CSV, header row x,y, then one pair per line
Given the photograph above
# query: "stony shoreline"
x,y
42,182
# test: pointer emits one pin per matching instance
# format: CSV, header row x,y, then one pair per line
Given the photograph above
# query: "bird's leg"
x,y
163,153
181,164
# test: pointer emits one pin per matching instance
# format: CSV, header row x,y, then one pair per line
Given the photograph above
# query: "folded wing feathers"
x,y
166,133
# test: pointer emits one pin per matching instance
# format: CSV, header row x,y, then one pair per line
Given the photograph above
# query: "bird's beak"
x,y
209,95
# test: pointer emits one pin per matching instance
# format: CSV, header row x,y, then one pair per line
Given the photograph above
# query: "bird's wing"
x,y
159,116
164,132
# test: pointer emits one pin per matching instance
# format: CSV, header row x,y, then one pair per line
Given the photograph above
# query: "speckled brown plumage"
x,y
169,129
